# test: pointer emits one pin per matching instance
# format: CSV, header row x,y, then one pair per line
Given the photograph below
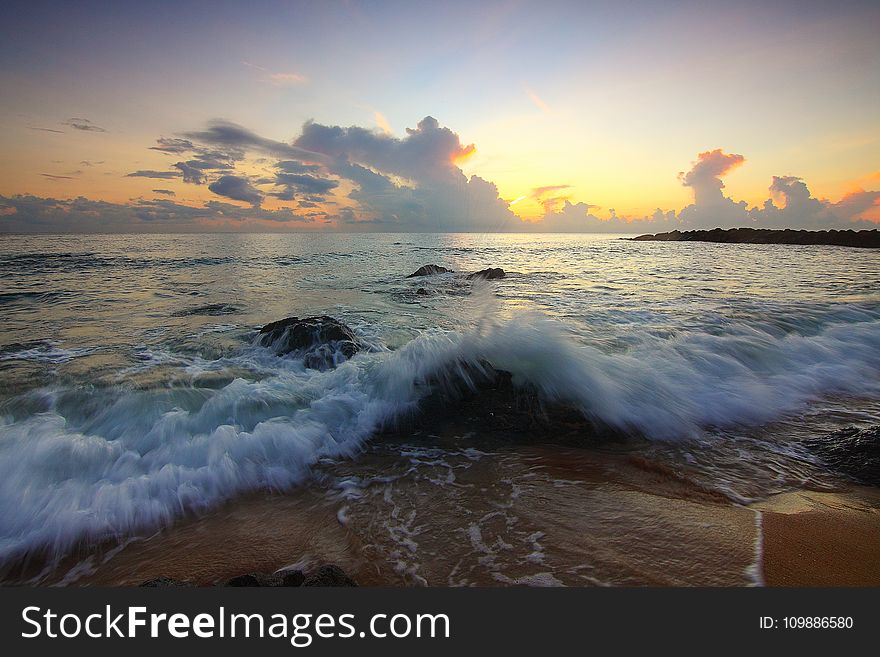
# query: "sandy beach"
x,y
546,517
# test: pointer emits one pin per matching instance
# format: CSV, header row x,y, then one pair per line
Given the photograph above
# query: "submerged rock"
x,y
851,451
429,270
329,575
491,273
322,342
422,292
165,582
292,578
475,398
284,578
255,579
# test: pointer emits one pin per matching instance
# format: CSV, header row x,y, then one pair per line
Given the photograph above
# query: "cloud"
x,y
33,214
856,206
427,153
33,127
538,192
278,79
236,188
711,208
792,189
231,135
577,218
83,124
292,166
538,102
286,79
206,160
797,205
191,174
203,159
361,179
705,175
173,145
800,209
382,123
305,183
194,170
414,183
409,183
148,173
51,176
550,198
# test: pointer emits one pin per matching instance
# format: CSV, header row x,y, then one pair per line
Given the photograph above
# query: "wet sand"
x,y
822,539
539,516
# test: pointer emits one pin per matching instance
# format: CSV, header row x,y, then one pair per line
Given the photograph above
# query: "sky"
x,y
422,116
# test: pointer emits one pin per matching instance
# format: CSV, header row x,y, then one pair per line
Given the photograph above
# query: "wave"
x,y
43,351
33,264
86,464
46,297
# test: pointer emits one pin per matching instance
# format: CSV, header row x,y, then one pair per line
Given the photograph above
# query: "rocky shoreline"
x,y
865,239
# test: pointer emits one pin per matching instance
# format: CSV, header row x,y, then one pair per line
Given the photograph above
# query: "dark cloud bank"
x,y
360,179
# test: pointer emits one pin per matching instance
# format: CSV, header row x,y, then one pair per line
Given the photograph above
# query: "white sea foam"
x,y
755,570
662,388
46,352
99,464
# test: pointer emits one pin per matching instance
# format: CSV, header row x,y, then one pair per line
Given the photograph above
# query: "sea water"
x,y
133,393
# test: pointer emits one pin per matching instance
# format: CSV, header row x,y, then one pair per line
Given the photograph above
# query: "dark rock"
x,y
851,451
477,399
672,236
165,582
422,292
329,575
429,270
211,309
292,578
490,274
255,579
867,239
322,342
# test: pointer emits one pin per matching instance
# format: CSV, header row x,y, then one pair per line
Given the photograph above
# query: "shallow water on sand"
x,y
132,397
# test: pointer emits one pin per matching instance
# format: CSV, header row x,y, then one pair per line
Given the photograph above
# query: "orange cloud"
x,y
278,79
538,101
541,201
285,79
860,204
705,175
463,154
382,122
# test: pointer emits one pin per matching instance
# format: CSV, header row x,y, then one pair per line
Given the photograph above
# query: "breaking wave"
x,y
93,464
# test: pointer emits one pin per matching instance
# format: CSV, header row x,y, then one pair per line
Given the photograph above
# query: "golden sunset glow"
x,y
561,126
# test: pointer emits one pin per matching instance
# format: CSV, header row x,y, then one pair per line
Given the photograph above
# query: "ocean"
x,y
143,428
